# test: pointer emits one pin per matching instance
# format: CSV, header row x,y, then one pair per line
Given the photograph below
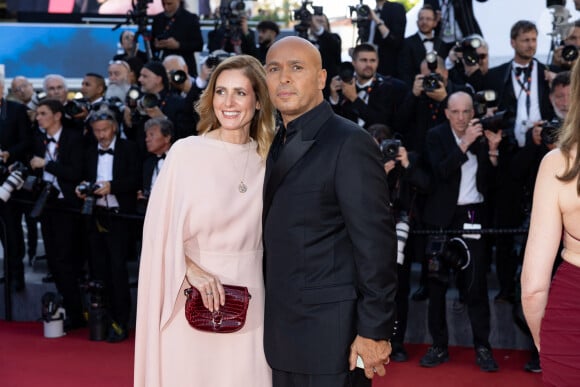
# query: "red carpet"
x,y
28,359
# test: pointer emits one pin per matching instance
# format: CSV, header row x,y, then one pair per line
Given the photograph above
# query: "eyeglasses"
x,y
482,56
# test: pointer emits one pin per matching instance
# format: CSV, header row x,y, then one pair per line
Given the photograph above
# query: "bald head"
x,y
295,76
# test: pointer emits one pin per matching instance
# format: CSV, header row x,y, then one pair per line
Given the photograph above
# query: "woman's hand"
x,y
209,286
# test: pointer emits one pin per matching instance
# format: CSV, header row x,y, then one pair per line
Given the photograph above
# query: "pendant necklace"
x,y
242,187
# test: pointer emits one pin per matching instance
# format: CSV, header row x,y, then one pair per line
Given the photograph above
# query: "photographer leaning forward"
x,y
176,31
462,156
58,165
406,180
111,175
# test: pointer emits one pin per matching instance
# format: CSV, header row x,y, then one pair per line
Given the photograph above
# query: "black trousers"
x,y
12,237
355,378
109,245
472,283
60,232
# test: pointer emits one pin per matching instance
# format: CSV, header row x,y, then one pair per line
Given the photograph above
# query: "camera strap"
x,y
526,84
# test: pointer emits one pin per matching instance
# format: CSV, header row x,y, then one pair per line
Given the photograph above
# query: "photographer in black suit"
x,y
112,171
456,19
58,158
176,31
462,157
387,32
367,97
15,131
522,87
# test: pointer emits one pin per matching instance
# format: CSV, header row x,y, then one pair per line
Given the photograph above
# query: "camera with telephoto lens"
x,y
483,100
177,77
98,316
362,11
132,97
88,189
500,120
402,228
550,131
446,254
346,72
431,81
17,174
468,47
569,53
76,106
304,15
390,149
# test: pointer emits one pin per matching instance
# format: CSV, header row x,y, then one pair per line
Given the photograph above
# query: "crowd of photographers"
x,y
461,144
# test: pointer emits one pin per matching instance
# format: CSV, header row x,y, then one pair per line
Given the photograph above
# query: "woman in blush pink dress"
x,y
204,226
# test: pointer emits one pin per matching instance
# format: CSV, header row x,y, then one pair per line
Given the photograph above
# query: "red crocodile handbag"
x,y
231,317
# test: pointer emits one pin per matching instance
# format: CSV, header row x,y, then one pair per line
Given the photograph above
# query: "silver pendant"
x,y
242,187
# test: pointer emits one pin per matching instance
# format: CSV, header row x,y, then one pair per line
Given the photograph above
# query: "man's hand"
x,y
349,90
169,43
37,162
418,85
374,353
4,155
335,87
537,132
105,188
473,131
438,94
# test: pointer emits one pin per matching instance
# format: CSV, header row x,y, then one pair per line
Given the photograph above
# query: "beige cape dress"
x,y
196,212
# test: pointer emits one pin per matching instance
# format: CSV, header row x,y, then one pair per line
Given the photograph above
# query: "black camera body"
x,y
304,15
468,47
346,72
390,149
76,106
446,255
482,100
569,53
362,11
431,82
500,120
88,189
550,131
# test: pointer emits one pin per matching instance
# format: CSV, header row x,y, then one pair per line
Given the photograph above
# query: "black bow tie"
x,y
50,139
519,70
161,157
105,151
429,40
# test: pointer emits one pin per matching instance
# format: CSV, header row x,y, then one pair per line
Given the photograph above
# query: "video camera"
x,y
446,254
232,12
304,15
550,131
88,189
138,15
468,47
362,20
431,81
136,99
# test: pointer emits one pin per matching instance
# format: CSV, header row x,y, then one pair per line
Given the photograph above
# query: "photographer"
x,y
566,54
268,31
462,157
111,173
416,46
58,162
176,31
387,32
522,88
328,43
156,101
367,97
406,179
130,47
467,64
233,34
14,144
158,138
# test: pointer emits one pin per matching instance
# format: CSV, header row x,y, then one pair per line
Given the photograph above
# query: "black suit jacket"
x,y
15,130
445,159
499,79
185,29
412,54
395,18
126,172
464,15
385,98
329,244
68,165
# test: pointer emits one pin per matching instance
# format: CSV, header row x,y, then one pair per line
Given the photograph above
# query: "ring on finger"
x,y
209,294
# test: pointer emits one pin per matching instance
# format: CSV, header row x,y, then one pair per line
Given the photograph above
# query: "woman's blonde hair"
x,y
262,125
569,136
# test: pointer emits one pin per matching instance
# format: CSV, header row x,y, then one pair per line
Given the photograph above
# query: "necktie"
x,y
105,152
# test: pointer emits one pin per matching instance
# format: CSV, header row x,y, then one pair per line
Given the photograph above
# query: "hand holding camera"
x,y
37,162
473,131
